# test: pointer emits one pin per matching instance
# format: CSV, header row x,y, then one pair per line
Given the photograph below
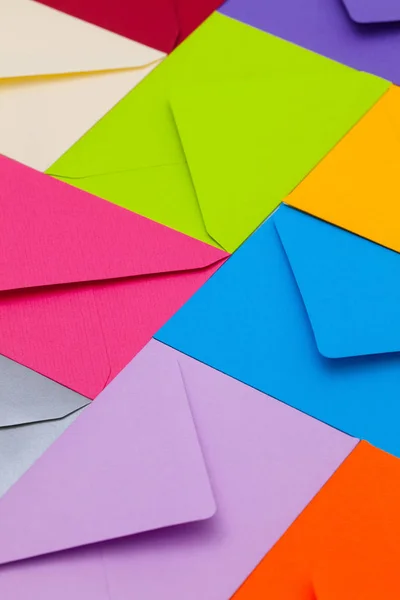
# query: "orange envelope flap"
x,y
355,186
60,250
345,543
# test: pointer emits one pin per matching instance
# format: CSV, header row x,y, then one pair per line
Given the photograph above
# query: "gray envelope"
x,y
34,411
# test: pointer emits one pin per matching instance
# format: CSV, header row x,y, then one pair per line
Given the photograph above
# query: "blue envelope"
x,y
310,314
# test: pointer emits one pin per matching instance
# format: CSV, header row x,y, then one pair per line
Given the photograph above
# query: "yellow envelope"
x,y
58,77
356,186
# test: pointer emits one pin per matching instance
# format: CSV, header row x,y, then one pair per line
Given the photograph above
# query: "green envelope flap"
x,y
249,141
134,157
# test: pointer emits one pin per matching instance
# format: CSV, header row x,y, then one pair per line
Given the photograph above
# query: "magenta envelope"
x,y
85,284
133,462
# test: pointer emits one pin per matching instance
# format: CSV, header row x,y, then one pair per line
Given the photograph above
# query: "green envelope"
x,y
220,132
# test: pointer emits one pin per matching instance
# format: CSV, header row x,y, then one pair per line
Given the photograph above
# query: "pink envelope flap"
x,y
53,233
130,463
373,11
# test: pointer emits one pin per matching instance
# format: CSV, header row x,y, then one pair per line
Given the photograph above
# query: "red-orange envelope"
x,y
345,544
84,284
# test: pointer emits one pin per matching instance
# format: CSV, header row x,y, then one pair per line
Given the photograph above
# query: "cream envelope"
x,y
58,77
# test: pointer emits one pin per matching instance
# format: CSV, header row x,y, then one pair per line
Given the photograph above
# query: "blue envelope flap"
x,y
350,286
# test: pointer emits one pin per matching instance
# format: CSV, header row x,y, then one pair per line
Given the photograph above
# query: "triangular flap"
x,y
373,11
53,233
243,168
130,463
150,22
349,285
28,397
353,186
36,40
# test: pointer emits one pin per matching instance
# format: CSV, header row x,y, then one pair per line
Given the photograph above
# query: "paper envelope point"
x,y
84,283
173,149
250,322
265,462
245,167
34,412
355,185
345,543
157,23
130,463
58,77
349,285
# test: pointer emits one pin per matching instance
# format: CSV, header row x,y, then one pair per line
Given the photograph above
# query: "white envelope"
x,y
58,77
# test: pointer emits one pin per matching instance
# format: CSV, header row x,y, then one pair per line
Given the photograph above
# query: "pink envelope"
x,y
84,284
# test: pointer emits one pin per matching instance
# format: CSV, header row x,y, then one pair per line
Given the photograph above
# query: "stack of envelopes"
x,y
199,300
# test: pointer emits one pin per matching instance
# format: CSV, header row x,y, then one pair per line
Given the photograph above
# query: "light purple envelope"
x,y
353,32
265,462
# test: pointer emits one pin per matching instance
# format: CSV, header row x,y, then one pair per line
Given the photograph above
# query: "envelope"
x,y
345,543
85,284
264,461
58,76
159,24
371,11
34,412
364,34
173,149
308,313
359,178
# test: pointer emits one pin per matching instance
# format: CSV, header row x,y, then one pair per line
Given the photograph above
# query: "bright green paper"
x,y
219,133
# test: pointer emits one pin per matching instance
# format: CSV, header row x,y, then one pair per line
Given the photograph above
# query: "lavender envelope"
x,y
364,34
265,462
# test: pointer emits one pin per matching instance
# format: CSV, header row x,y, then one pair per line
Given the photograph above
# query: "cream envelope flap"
x,y
58,77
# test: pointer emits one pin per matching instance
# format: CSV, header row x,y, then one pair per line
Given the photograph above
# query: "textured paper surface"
x,y
345,544
58,77
265,462
327,28
85,283
249,321
185,114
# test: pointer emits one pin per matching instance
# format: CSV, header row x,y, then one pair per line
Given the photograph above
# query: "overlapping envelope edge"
x,y
77,26
288,241
328,214
210,224
199,513
312,578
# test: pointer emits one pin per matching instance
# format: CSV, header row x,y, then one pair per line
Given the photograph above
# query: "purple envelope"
x,y
364,34
146,455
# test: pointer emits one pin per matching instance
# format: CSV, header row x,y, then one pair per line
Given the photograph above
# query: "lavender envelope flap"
x,y
373,11
130,463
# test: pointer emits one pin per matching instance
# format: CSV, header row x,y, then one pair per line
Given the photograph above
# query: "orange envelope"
x,y
345,544
356,185
84,284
